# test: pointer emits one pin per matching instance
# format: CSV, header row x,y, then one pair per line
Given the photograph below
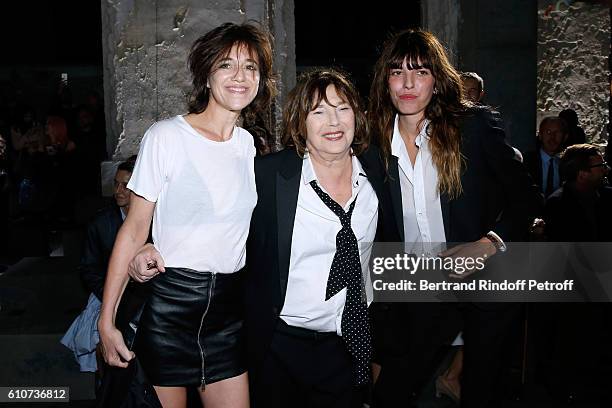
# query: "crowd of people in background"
x,y
49,164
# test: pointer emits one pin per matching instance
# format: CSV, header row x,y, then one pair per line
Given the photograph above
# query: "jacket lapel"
x,y
396,195
445,206
287,190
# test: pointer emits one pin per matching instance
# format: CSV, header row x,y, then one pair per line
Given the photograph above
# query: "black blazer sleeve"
x,y
518,198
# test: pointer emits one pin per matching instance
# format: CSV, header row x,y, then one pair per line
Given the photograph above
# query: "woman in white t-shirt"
x,y
194,178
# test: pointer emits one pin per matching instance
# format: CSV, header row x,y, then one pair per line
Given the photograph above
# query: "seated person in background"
x,y
26,132
543,164
82,336
580,210
571,340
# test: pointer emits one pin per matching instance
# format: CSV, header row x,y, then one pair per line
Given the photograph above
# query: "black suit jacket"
x,y
533,163
99,241
569,219
269,245
498,193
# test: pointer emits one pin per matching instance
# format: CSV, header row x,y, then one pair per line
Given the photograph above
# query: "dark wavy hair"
x,y
576,158
422,49
310,90
215,45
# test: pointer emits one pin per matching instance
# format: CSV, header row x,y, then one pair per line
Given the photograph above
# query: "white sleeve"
x,y
151,168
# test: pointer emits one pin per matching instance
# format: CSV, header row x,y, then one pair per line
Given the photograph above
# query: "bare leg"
x,y
449,382
229,393
375,372
172,397
456,367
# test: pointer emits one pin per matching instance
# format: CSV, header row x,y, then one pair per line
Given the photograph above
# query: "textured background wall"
x,y
442,17
146,44
573,49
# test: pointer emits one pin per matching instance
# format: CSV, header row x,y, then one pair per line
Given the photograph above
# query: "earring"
x,y
435,91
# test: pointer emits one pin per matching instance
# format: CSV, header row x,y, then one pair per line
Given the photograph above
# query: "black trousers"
x,y
305,370
420,330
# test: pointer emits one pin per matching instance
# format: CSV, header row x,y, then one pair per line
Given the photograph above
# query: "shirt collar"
x,y
308,173
546,157
397,143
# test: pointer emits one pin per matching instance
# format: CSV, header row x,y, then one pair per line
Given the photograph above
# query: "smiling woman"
x,y
195,174
324,101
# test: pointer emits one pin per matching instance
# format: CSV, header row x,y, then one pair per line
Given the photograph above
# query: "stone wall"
x,y
573,50
442,18
146,44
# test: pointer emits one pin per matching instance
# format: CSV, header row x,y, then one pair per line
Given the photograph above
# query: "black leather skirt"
x,y
190,332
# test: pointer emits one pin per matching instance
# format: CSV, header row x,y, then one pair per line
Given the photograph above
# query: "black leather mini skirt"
x,y
190,332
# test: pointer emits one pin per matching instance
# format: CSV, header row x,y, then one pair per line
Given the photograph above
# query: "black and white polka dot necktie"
x,y
346,273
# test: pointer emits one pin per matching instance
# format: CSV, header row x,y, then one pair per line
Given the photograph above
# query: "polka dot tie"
x,y
346,273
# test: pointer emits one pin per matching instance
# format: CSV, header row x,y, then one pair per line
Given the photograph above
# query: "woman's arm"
x,y
132,235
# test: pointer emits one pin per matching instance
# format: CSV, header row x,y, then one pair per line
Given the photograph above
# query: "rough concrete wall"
x,y
146,44
441,17
573,50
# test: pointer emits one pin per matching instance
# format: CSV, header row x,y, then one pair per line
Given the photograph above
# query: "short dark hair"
x,y
473,75
216,44
570,117
310,90
127,165
561,121
576,158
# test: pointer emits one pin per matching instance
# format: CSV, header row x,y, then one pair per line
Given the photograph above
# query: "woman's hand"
x,y
114,350
483,248
146,264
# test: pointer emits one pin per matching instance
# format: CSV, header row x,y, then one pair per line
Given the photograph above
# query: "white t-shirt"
x,y
204,193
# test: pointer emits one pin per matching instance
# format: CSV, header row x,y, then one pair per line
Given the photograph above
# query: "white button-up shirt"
x,y
423,222
313,247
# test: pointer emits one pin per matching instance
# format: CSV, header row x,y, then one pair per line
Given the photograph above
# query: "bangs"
x,y
249,45
415,54
317,91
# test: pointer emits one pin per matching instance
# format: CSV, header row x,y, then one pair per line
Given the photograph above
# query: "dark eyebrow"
x,y
231,59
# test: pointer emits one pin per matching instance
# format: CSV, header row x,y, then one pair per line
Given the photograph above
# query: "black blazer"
x,y
101,233
569,220
533,162
498,193
269,245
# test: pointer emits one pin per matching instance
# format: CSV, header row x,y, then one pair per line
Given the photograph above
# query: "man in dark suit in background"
x,y
543,164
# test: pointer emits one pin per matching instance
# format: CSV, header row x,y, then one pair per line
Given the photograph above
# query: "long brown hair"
x,y
215,45
310,90
420,48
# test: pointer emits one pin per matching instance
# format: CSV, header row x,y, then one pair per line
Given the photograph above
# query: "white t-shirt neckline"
x,y
192,131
